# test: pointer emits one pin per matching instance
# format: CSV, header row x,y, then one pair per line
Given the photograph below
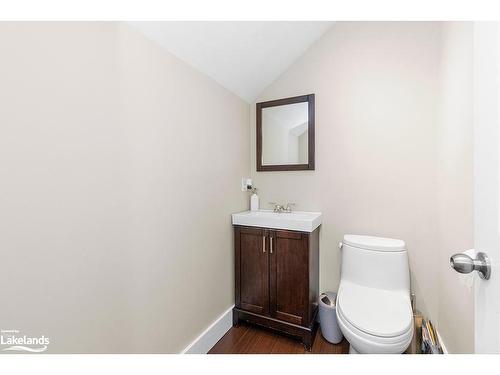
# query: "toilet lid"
x,y
375,311
374,243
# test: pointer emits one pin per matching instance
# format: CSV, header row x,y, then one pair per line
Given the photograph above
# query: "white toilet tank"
x,y
375,262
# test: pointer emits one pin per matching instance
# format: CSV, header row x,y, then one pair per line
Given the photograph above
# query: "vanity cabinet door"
x,y
252,269
289,275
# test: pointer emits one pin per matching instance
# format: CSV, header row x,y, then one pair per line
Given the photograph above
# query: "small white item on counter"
x,y
254,200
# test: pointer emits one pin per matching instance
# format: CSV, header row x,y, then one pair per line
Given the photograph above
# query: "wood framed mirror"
x,y
285,134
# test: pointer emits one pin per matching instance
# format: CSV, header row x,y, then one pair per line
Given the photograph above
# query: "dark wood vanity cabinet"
x,y
277,280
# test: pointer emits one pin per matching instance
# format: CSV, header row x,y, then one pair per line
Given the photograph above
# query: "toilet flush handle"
x,y
340,245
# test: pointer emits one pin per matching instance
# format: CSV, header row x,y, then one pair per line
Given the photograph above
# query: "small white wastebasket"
x,y
328,317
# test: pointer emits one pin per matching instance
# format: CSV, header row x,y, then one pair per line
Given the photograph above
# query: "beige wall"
x,y
376,139
455,185
393,152
119,168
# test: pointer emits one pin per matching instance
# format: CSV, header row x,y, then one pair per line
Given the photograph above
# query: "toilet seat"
x,y
377,312
385,326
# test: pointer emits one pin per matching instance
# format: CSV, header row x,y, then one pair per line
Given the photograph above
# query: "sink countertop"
x,y
296,220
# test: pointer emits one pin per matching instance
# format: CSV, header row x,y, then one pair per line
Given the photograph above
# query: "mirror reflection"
x,y
285,134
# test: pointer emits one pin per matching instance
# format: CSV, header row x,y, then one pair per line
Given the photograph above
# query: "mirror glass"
x,y
285,134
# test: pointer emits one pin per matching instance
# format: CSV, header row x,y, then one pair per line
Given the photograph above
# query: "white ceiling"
x,y
244,57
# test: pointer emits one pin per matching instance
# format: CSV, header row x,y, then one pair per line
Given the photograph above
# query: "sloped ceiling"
x,y
245,57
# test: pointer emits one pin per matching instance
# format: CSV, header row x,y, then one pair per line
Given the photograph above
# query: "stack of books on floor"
x,y
430,339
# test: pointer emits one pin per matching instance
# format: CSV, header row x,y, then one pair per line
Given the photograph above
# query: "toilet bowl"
x,y
373,302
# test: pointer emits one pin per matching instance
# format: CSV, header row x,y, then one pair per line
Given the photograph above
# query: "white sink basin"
x,y
297,220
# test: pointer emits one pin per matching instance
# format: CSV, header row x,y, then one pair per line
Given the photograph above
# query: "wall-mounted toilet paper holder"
x,y
465,264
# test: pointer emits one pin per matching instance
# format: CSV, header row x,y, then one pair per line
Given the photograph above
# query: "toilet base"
x,y
352,350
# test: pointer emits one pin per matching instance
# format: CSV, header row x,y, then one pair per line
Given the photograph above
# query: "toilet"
x,y
373,301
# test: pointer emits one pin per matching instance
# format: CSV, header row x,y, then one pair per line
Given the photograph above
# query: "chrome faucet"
x,y
281,208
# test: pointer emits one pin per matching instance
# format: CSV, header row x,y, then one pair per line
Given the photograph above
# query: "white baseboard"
x,y
209,337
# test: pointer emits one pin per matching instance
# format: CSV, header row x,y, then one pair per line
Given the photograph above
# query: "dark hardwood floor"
x,y
248,339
